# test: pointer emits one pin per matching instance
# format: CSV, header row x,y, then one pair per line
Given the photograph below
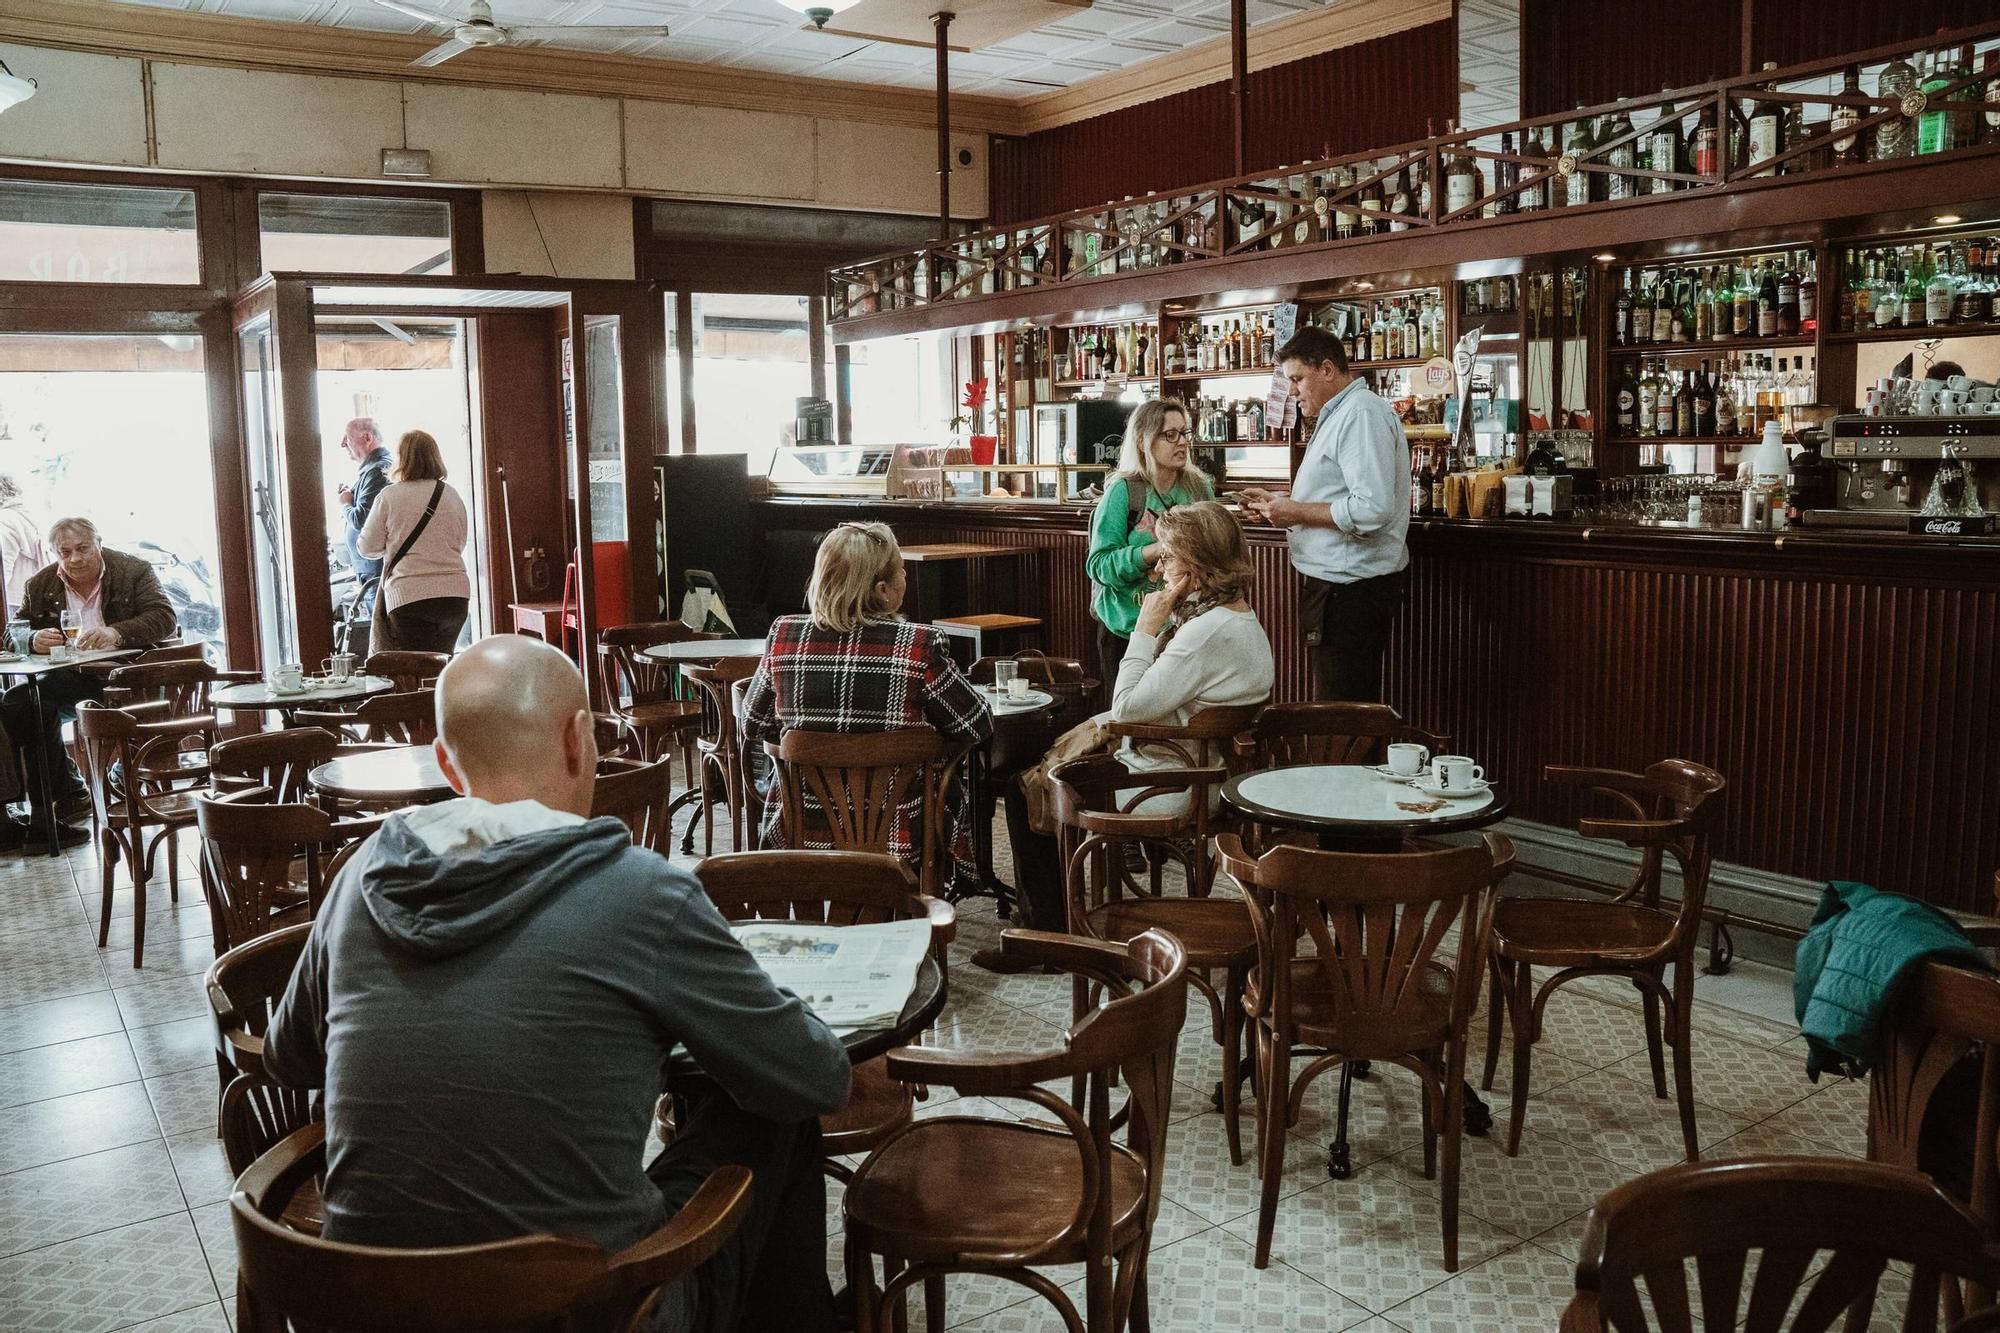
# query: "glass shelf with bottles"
x,y
1695,306
1394,329
1087,355
1219,344
1925,288
1651,403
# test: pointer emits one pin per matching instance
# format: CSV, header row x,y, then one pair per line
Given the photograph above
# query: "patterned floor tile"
x,y
1525,1288
1385,1113
42,1072
208,1319
1770,1138
68,969
82,1195
1747,1081
37,916
185,1101
218,1242
83,1122
1549,1182
162,923
46,1022
109,1280
1619,1119
167,955
168,1048
1565,1239
162,1000
203,1169
1200,1178
1371,1238
1835,1117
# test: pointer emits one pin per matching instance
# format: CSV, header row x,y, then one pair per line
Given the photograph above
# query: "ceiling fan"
x,y
477,28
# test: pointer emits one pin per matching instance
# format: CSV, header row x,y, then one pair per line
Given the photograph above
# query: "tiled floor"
x,y
112,1184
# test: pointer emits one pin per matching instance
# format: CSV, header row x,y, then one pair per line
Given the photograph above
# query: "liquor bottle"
x,y
1895,137
1507,175
1305,218
1663,308
1625,402
1847,147
1704,307
1322,210
1682,328
1725,404
1399,202
1267,341
1684,407
1578,189
1940,293
1437,485
1461,181
1915,313
1378,336
1343,218
1535,197
1663,402
1888,294
1767,129
1706,140
1664,148
1808,293
1621,314
1623,156
1704,404
1421,184
1788,299
1937,126
1649,399
1412,337
1420,493
1371,204
1767,302
1723,300
1743,306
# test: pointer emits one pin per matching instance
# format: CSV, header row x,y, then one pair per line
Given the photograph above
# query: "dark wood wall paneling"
x,y
521,428
1847,703
1368,95
1590,52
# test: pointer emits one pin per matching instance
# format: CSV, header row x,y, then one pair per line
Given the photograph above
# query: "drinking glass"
x,y
69,630
1004,672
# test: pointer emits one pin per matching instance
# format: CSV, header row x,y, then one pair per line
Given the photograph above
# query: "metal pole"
x,y
942,22
1239,81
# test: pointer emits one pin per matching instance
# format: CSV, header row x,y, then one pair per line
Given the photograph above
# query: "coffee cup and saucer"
x,y
1406,763
1452,776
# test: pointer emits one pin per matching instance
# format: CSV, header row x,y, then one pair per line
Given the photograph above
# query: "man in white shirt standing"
x,y
1348,515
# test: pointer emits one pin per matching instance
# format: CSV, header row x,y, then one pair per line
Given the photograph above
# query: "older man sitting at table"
x,y
491,991
115,601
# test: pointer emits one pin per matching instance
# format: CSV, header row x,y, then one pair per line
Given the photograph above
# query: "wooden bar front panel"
x,y
1843,687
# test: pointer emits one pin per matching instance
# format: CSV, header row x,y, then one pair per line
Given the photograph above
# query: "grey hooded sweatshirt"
x,y
490,1025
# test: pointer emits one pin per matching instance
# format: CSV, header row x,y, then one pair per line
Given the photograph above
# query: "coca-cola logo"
x,y
1945,527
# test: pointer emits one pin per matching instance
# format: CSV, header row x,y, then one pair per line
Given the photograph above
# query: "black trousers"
x,y
60,690
1353,633
1111,648
771,1273
427,626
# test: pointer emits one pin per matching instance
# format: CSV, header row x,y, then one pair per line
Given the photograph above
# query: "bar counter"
x,y
1842,681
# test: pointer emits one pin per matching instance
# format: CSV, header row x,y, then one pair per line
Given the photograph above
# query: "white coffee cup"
x,y
289,676
1456,772
1949,402
1407,759
1960,383
1017,688
1924,407
1981,394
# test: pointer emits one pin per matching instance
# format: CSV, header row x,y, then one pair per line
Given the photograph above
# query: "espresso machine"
x,y
1937,475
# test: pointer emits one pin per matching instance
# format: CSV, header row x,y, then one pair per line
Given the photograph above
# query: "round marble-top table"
x,y
703,651
1347,803
258,695
405,775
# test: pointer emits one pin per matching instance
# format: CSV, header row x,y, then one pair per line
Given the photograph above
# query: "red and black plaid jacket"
x,y
877,678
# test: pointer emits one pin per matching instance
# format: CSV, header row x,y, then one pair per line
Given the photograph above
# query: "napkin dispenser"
x,y
1515,499
1551,497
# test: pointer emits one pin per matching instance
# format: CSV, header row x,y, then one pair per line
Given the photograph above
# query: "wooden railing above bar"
x,y
1199,234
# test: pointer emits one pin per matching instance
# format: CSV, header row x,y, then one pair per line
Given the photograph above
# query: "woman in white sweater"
x,y
1197,643
417,528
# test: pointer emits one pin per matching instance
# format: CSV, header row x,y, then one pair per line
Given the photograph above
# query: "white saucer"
x,y
1429,788
1384,771
303,689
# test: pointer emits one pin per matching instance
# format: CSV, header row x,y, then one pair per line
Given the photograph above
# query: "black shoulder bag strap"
x,y
1135,501
437,494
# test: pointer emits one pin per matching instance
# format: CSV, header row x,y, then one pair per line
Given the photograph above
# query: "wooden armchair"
x,y
639,795
642,690
853,788
1331,733
132,814
718,747
265,864
962,1194
1379,984
405,669
1208,744
244,985
1669,810
530,1282
278,762
409,718
1824,1232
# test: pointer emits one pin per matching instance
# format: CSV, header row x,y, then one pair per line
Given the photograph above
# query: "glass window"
x,y
115,429
900,390
52,231
751,365
353,233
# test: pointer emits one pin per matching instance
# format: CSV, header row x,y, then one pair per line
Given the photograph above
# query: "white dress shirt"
x,y
1358,464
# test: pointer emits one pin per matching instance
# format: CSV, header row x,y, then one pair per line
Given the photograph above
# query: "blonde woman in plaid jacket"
x,y
853,664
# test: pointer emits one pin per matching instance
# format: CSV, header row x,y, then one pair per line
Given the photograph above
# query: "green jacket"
x,y
1119,575
1849,967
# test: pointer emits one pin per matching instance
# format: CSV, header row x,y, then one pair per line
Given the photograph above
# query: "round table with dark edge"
x,y
1353,808
1012,719
926,1002
405,775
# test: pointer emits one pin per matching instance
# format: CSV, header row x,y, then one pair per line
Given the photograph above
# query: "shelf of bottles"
x,y
1935,286
1726,403
1931,97
1092,356
1391,331
1218,346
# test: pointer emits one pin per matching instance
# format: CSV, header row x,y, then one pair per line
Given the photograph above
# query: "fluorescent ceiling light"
x,y
14,89
819,11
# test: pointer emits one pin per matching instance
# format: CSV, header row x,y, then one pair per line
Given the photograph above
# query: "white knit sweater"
x,y
1219,658
435,566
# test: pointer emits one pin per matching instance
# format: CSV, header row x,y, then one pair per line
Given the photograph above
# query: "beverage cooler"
x,y
1085,431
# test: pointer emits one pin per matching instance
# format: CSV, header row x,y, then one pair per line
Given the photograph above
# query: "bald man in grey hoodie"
x,y
489,996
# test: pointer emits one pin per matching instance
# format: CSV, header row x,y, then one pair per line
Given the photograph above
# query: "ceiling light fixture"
x,y
819,11
1947,219
1605,258
14,89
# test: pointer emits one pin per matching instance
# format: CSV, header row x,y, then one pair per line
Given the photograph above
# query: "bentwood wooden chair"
x,y
266,864
850,788
1669,810
639,795
1100,811
962,1194
406,669
408,718
244,985
1209,742
718,745
1332,733
280,763
287,1278
641,690
132,817
1777,1245
836,889
1381,982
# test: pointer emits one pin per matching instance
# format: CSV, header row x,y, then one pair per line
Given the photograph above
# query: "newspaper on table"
x,y
850,976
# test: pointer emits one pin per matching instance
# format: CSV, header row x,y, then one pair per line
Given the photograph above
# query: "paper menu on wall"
x,y
1279,406
850,976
